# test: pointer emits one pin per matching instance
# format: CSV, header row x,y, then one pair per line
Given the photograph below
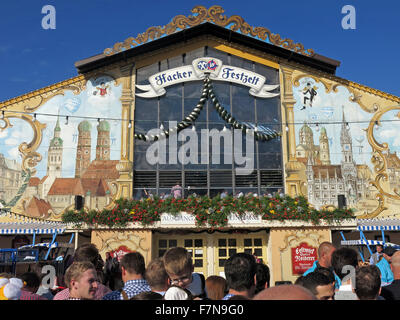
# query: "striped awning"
x,y
369,242
378,224
31,228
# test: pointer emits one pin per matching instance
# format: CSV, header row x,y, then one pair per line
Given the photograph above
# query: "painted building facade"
x,y
337,138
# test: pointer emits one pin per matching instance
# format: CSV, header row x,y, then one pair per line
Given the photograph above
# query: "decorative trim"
x,y
208,92
296,236
70,84
214,15
379,150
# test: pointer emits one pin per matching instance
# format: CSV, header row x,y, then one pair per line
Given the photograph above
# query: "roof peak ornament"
x,y
213,15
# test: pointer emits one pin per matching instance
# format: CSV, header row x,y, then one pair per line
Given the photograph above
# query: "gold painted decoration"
x,y
295,237
213,15
380,160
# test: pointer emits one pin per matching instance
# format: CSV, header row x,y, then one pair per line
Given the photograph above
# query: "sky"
x,y
32,57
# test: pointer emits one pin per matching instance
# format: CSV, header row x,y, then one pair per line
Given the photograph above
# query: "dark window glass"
x,y
232,242
258,242
222,252
232,252
172,243
198,263
198,242
221,242
188,243
248,242
178,102
248,251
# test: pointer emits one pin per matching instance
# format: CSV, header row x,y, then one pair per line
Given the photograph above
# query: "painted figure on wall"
x,y
326,138
309,93
102,90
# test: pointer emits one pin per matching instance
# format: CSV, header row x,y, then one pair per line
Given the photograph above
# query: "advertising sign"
x,y
303,257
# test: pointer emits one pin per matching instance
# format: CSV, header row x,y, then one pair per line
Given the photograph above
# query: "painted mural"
x,y
78,148
336,144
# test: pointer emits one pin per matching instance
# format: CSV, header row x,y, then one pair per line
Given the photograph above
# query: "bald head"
x,y
325,251
285,292
324,247
396,259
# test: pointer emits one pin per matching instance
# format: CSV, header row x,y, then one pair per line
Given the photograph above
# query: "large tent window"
x,y
208,178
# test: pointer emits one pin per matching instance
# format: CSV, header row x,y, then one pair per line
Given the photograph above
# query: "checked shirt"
x,y
131,288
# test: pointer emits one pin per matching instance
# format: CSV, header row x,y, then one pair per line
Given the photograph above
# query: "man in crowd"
x,y
384,266
325,251
368,280
179,266
240,274
132,270
375,257
156,276
262,277
81,280
31,285
392,291
344,262
319,284
285,292
87,252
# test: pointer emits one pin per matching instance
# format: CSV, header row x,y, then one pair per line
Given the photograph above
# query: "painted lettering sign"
x,y
120,252
303,258
198,70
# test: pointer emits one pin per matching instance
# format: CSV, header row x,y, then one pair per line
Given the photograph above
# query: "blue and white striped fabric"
x,y
31,228
379,224
369,242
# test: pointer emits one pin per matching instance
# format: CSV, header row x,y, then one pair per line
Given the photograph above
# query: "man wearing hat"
x,y
384,266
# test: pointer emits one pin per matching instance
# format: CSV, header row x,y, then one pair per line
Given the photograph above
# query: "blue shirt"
x,y
386,272
131,288
228,296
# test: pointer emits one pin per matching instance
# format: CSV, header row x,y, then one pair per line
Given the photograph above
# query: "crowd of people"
x,y
178,192
336,275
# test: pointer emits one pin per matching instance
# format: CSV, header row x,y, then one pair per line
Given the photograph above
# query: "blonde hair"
x,y
75,271
156,275
177,260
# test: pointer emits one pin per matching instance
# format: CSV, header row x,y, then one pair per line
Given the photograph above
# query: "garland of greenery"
x,y
208,92
208,212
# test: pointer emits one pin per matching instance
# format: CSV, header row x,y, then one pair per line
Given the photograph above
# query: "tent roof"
x,y
31,227
378,224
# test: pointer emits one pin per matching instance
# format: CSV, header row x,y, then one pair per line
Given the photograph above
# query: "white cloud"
x,y
14,153
3,134
388,133
11,142
396,142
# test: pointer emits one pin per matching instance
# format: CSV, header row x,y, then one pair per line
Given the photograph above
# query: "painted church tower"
x,y
348,164
324,155
83,149
103,141
54,154
54,162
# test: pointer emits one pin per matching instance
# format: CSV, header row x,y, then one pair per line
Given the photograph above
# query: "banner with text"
x,y
198,70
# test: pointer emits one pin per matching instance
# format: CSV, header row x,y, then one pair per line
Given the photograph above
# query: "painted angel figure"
x,y
309,94
102,89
